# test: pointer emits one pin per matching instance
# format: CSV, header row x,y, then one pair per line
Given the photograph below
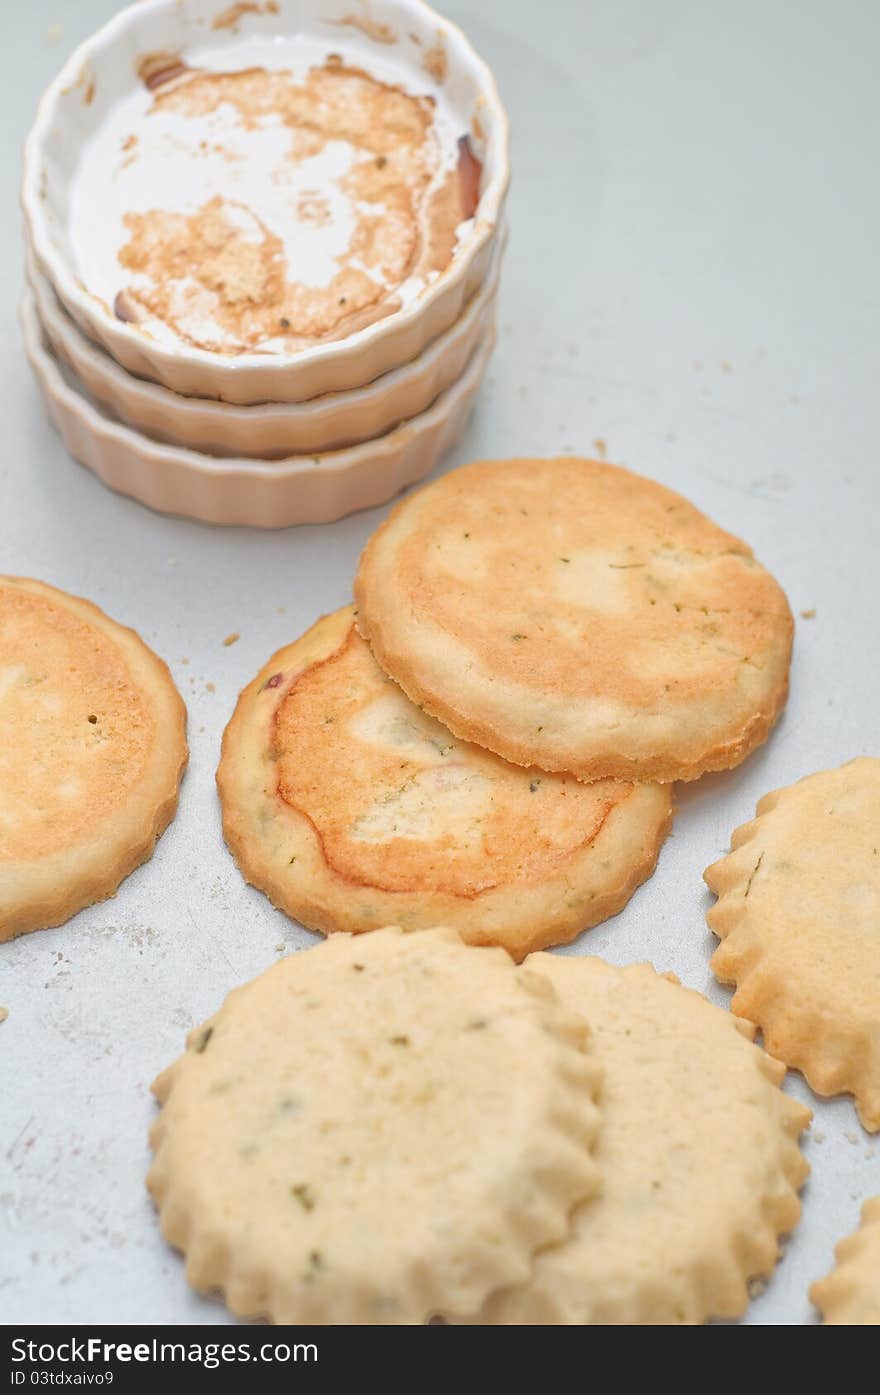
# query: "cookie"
x,y
698,1153
798,916
352,809
374,1131
850,1295
575,616
92,749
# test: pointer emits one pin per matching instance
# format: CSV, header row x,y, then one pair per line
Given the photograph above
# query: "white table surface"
x,y
691,279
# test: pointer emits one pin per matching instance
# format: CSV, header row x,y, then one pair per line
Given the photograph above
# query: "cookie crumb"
x,y
600,446
818,1135
757,1287
232,639
54,33
210,688
851,1136
809,614
280,947
4,1013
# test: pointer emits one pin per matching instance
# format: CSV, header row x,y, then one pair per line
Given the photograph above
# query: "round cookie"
x,y
575,616
92,749
798,915
698,1153
850,1295
352,809
375,1130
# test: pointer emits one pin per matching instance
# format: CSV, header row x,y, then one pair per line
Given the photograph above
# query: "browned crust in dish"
x,y
220,264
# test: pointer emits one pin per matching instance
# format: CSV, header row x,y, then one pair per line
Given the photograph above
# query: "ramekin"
x,y
260,494
104,68
273,429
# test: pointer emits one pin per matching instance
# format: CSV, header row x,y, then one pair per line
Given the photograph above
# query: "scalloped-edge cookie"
x,y
798,915
698,1152
850,1295
352,809
573,615
92,750
376,1130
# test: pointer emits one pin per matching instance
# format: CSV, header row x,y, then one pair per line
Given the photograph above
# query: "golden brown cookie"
x,y
374,1131
798,915
850,1295
698,1151
92,748
575,616
352,809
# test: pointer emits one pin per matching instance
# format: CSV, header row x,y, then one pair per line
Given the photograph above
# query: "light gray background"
x,y
691,278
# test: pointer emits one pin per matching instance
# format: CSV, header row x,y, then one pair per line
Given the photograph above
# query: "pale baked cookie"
x,y
352,809
698,1154
850,1295
374,1131
572,615
798,915
92,748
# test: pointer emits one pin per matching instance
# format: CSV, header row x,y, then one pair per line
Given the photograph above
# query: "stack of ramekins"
x,y
263,250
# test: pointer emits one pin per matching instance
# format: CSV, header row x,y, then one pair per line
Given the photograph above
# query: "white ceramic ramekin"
x,y
260,494
271,430
104,70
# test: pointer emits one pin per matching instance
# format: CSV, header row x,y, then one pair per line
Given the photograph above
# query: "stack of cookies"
x,y
489,739
263,249
396,1128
